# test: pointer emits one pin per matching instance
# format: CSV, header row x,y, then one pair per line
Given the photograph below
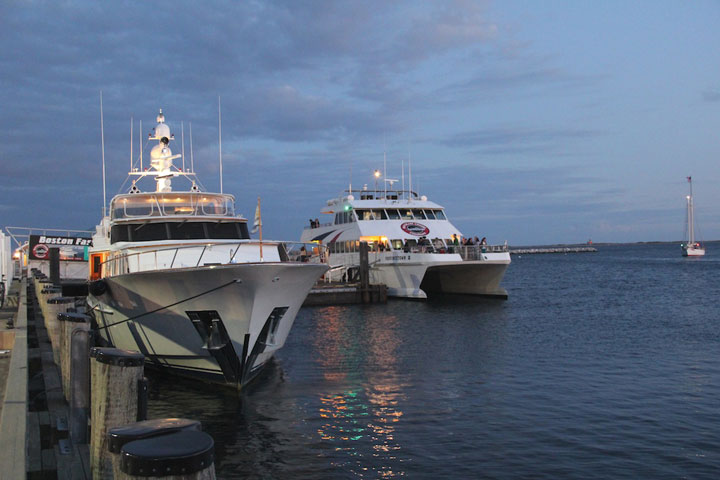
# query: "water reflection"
x,y
357,354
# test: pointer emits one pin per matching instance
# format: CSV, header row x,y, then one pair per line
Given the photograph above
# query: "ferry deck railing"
x,y
467,252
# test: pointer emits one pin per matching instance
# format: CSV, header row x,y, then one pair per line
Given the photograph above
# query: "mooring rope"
x,y
168,306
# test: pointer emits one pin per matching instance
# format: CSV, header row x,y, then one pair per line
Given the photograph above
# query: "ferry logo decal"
x,y
413,228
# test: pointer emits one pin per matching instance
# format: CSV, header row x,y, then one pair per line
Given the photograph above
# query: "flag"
x,y
258,221
689,179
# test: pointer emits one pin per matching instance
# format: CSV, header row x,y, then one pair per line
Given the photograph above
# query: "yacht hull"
x,y
217,323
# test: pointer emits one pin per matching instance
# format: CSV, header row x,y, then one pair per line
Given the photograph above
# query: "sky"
x,y
531,122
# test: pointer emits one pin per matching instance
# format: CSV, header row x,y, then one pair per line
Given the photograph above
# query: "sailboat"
x,y
691,248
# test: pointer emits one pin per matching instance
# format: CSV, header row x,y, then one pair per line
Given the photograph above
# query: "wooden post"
x,y
56,306
183,455
55,265
79,382
67,321
114,376
119,436
364,272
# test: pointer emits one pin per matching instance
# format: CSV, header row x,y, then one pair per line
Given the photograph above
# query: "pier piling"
x,y
115,375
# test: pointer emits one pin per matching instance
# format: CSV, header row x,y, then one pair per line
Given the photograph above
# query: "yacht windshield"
x,y
172,204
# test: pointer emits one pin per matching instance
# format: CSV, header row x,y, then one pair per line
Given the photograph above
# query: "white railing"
x,y
213,253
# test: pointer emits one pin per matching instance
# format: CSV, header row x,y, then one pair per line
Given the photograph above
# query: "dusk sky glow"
x,y
533,122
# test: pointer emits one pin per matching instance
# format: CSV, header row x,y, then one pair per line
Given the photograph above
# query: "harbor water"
x,y
600,365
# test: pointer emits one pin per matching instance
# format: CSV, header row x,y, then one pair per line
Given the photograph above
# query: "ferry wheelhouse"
x,y
176,276
414,249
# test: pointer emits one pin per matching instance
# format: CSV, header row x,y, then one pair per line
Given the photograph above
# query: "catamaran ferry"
x,y
414,249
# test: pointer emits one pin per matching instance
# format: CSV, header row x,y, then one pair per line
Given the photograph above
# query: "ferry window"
x,y
338,218
379,214
418,213
407,214
393,214
362,214
397,244
347,217
439,215
429,214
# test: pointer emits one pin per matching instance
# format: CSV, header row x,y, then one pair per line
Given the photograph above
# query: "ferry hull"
x,y
466,278
421,280
216,323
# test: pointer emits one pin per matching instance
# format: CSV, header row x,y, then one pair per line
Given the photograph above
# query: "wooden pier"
x,y
345,294
527,251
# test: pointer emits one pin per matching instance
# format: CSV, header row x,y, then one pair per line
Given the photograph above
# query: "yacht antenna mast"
x,y
192,158
141,146
102,141
182,139
220,144
131,143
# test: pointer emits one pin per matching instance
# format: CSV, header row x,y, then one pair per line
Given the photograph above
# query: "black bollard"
x,y
184,455
119,436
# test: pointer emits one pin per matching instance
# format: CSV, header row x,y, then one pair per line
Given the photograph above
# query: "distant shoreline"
x,y
601,244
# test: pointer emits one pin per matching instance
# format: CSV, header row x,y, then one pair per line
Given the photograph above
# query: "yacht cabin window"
x,y
152,231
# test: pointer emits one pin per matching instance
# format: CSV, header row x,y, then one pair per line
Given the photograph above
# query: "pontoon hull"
x,y
216,323
421,280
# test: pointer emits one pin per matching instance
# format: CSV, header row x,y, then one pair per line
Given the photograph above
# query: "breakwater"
x,y
524,251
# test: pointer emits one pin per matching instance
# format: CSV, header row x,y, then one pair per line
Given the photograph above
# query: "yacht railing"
x,y
213,253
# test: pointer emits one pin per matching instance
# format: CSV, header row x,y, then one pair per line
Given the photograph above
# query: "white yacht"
x,y
691,248
175,275
412,246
